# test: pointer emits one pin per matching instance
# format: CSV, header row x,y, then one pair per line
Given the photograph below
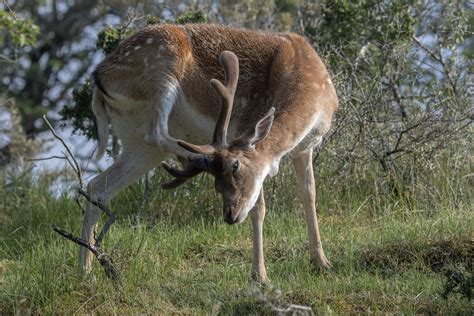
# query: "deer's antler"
x,y
230,63
181,176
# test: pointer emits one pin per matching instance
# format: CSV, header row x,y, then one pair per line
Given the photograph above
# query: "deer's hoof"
x,y
321,263
260,278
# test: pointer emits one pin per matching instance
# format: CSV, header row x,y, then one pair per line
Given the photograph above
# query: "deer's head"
x,y
239,170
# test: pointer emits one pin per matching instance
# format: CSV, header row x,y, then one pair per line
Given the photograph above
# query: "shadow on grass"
x,y
401,256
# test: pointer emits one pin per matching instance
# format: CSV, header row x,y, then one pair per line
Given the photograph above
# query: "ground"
x,y
184,259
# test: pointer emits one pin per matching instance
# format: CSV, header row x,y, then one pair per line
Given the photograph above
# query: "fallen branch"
x,y
293,309
107,211
105,260
271,297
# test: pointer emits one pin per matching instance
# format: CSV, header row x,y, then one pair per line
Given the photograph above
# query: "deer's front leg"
x,y
303,164
259,273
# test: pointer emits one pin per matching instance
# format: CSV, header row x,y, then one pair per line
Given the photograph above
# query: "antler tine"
x,y
230,62
194,168
189,172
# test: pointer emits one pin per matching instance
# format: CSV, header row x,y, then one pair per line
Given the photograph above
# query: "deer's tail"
x,y
102,122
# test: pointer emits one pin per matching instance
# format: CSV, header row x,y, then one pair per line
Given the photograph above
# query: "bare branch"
x,y
438,58
75,239
427,49
12,13
75,166
104,259
47,158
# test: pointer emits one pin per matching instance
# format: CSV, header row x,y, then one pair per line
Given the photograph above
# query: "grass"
x,y
388,255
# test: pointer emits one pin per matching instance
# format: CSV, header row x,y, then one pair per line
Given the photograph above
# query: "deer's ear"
x,y
262,128
256,135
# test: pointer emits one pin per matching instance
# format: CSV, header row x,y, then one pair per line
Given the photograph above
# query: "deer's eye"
x,y
235,167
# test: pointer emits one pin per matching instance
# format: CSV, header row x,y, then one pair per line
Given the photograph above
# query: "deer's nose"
x,y
228,218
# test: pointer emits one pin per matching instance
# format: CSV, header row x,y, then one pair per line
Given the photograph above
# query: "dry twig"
x,y
73,163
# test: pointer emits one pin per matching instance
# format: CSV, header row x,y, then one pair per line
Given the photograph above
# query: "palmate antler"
x,y
227,90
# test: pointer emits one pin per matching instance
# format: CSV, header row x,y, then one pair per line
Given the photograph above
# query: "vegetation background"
x,y
394,177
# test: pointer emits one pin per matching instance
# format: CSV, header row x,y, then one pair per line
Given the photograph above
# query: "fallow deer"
x,y
154,91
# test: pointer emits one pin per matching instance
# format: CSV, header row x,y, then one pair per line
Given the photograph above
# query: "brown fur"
x,y
279,70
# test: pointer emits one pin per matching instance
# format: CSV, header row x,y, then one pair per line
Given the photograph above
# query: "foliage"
x,y
15,32
403,99
192,17
108,39
152,19
21,32
349,24
387,110
80,115
41,77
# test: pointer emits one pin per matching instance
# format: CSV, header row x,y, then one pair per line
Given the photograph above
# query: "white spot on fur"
x,y
127,54
149,41
137,47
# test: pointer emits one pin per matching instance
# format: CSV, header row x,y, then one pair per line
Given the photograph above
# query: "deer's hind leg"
x,y
126,170
157,134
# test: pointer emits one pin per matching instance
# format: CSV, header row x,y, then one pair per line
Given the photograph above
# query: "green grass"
x,y
388,255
